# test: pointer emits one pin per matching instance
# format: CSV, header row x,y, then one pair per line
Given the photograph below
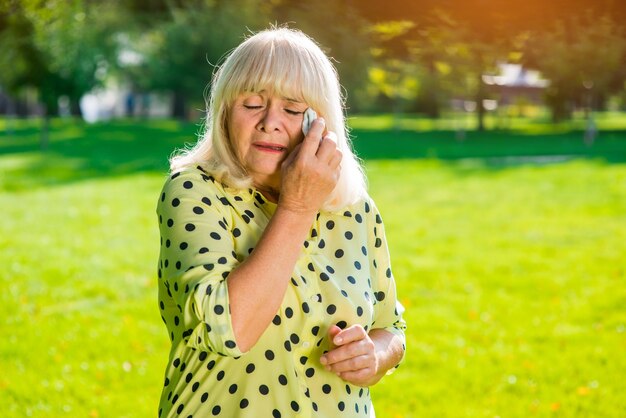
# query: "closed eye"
x,y
293,112
252,107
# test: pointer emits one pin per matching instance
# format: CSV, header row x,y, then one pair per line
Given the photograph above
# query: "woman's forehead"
x,y
267,93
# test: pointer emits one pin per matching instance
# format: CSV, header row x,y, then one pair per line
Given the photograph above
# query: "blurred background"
x,y
493,134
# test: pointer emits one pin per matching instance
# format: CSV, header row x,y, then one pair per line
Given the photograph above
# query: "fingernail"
x,y
323,360
337,341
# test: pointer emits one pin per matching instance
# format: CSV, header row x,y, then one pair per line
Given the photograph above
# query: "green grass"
x,y
512,275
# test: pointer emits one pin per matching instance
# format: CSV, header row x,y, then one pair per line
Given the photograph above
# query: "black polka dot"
x,y
232,389
288,312
215,236
190,227
236,232
206,201
250,368
220,375
330,224
339,253
351,279
310,372
230,344
276,320
341,406
295,406
282,379
187,184
359,311
183,245
358,218
276,413
216,410
180,408
294,338
342,324
195,386
218,309
264,389
331,309
204,397
348,235
324,277
326,389
269,354
244,403
170,223
222,260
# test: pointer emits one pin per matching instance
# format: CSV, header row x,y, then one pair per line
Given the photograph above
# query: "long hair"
x,y
290,64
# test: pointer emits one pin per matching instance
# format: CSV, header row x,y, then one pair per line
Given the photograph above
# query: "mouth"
x,y
272,148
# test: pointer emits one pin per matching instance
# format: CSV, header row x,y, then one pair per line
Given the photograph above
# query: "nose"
x,y
270,120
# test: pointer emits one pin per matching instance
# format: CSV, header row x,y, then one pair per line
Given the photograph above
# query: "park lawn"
x,y
512,277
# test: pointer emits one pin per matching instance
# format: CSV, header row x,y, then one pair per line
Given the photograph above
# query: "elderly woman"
x,y
274,276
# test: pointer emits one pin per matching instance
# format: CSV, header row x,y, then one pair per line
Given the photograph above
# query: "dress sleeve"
x,y
197,254
387,310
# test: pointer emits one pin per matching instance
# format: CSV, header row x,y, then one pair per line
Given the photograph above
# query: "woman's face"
x,y
264,129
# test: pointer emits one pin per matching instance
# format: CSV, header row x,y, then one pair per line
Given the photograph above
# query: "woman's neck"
x,y
269,193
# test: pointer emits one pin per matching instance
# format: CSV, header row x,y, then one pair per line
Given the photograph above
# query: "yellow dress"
x,y
342,277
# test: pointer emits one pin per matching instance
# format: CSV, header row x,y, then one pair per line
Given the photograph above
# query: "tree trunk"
x,y
480,109
45,128
179,110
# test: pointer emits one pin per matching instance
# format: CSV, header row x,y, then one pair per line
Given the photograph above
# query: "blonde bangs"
x,y
278,64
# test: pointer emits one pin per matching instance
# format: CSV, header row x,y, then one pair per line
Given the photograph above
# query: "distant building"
x,y
514,82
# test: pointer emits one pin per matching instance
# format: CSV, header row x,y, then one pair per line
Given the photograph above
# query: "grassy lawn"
x,y
513,274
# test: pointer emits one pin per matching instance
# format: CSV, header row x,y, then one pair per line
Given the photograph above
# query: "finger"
x,y
345,352
352,364
359,377
353,333
312,140
335,160
327,147
292,155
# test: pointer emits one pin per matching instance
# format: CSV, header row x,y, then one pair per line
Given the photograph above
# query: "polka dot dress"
x,y
342,277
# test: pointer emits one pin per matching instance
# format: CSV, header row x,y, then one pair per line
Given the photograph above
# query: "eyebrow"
x,y
289,99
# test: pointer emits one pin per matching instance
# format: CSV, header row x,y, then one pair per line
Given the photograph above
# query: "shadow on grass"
x,y
78,151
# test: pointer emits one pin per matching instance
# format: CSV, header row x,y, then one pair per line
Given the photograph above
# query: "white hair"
x,y
290,64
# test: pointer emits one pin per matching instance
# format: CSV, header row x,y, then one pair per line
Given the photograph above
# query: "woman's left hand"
x,y
353,356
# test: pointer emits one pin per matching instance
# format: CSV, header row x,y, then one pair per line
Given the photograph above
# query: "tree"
x,y
180,43
582,58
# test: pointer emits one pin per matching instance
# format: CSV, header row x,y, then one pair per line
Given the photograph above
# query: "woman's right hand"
x,y
311,171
